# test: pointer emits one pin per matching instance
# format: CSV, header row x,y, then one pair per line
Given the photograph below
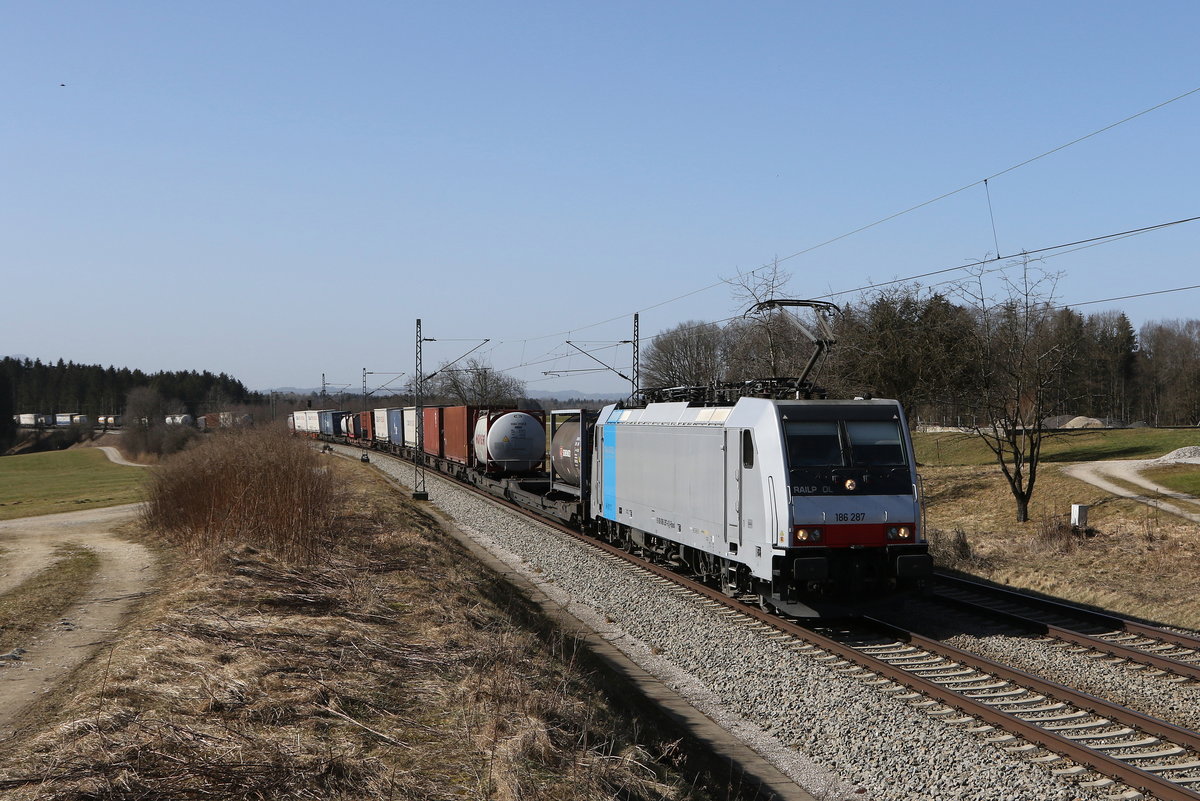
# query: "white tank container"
x,y
513,442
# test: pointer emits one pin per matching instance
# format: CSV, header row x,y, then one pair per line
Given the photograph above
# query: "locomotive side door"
x,y
733,485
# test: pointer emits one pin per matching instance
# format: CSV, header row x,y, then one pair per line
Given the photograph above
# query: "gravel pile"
x,y
1191,454
814,723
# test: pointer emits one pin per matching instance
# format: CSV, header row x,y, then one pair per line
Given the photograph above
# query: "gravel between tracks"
x,y
1143,690
814,723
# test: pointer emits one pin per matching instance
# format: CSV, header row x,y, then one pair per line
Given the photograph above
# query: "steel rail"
x,y
1190,670
1097,760
1102,618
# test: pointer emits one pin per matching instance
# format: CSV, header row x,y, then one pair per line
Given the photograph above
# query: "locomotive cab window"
x,y
875,442
813,443
747,449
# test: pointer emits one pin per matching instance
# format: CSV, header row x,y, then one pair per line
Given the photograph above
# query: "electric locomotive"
x,y
810,505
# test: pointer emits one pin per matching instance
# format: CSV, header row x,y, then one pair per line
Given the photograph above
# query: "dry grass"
x,y
1133,559
392,669
43,597
255,486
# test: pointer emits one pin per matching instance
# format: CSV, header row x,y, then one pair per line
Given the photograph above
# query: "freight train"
x,y
810,507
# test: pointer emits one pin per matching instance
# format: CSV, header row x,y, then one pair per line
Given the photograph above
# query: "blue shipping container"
x,y
331,423
395,426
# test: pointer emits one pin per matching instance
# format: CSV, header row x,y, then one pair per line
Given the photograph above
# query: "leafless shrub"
x,y
1055,533
952,550
244,486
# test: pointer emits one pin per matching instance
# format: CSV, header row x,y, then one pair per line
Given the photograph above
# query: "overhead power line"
x,y
982,262
888,218
1128,297
1078,244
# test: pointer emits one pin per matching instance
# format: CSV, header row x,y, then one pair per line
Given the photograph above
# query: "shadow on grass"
x,y
1099,454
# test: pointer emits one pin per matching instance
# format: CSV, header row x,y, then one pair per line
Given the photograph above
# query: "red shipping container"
x,y
433,430
458,424
366,425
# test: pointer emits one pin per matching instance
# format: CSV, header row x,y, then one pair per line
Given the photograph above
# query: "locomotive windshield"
x,y
875,443
813,444
864,443
824,453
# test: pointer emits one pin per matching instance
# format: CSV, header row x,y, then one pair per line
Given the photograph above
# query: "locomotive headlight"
x,y
851,484
905,533
899,533
893,532
808,535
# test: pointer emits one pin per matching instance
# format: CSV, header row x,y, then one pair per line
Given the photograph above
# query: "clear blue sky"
x,y
278,190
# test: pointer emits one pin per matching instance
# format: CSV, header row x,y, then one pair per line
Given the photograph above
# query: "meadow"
x,y
65,481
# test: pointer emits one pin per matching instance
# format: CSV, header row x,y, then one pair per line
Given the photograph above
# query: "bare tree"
x,y
1019,355
690,354
474,382
144,407
764,345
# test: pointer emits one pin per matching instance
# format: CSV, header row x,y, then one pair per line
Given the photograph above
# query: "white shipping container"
x,y
380,431
410,426
313,420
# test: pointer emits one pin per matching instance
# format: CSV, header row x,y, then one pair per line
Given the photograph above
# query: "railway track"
x,y
1120,745
1156,757
1098,743
1170,652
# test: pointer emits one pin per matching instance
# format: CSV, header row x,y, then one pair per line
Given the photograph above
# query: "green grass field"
x,y
1084,445
1179,477
65,481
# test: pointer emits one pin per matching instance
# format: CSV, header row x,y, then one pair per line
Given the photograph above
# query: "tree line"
x,y
937,352
32,386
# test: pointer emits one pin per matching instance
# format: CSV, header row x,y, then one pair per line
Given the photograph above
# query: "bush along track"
x,y
388,667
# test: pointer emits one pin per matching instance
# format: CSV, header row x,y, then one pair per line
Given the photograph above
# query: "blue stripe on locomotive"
x,y
608,458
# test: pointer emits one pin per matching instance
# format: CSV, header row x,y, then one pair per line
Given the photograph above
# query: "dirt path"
x,y
1129,470
125,573
116,457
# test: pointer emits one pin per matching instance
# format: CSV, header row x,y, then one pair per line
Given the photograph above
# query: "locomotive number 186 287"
x,y
849,517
